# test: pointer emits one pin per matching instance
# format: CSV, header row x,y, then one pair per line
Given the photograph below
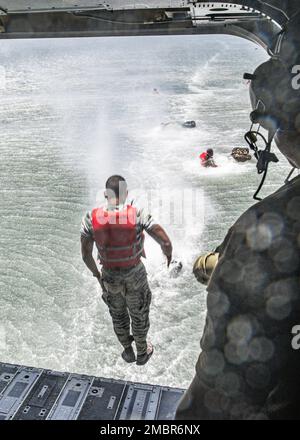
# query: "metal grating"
x,y
17,390
71,399
141,402
36,394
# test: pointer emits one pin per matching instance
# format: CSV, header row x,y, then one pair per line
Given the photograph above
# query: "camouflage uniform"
x,y
248,368
126,291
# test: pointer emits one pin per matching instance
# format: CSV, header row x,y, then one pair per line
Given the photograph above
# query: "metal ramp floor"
x,y
37,394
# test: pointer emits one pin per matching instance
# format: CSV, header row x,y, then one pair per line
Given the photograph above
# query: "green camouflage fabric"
x,y
248,367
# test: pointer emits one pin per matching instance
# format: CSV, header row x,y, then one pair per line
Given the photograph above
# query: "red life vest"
x,y
118,240
203,157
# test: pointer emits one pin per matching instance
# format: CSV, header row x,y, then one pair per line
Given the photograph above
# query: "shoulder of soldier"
x,y
144,218
133,204
87,225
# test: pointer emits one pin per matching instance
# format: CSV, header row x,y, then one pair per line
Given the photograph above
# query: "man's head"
x,y
116,189
210,152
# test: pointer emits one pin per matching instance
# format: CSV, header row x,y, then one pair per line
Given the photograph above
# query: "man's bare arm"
x,y
87,256
161,237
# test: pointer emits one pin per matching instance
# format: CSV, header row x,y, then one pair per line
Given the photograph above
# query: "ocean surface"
x,y
74,112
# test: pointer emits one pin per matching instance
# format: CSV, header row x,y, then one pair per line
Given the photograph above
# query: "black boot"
x,y
128,354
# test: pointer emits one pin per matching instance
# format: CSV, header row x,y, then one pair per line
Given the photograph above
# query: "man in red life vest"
x,y
117,230
207,159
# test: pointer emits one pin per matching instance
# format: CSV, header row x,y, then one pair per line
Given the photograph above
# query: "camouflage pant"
x,y
127,295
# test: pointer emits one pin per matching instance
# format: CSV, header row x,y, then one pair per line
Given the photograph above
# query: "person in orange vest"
x,y
207,159
117,230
